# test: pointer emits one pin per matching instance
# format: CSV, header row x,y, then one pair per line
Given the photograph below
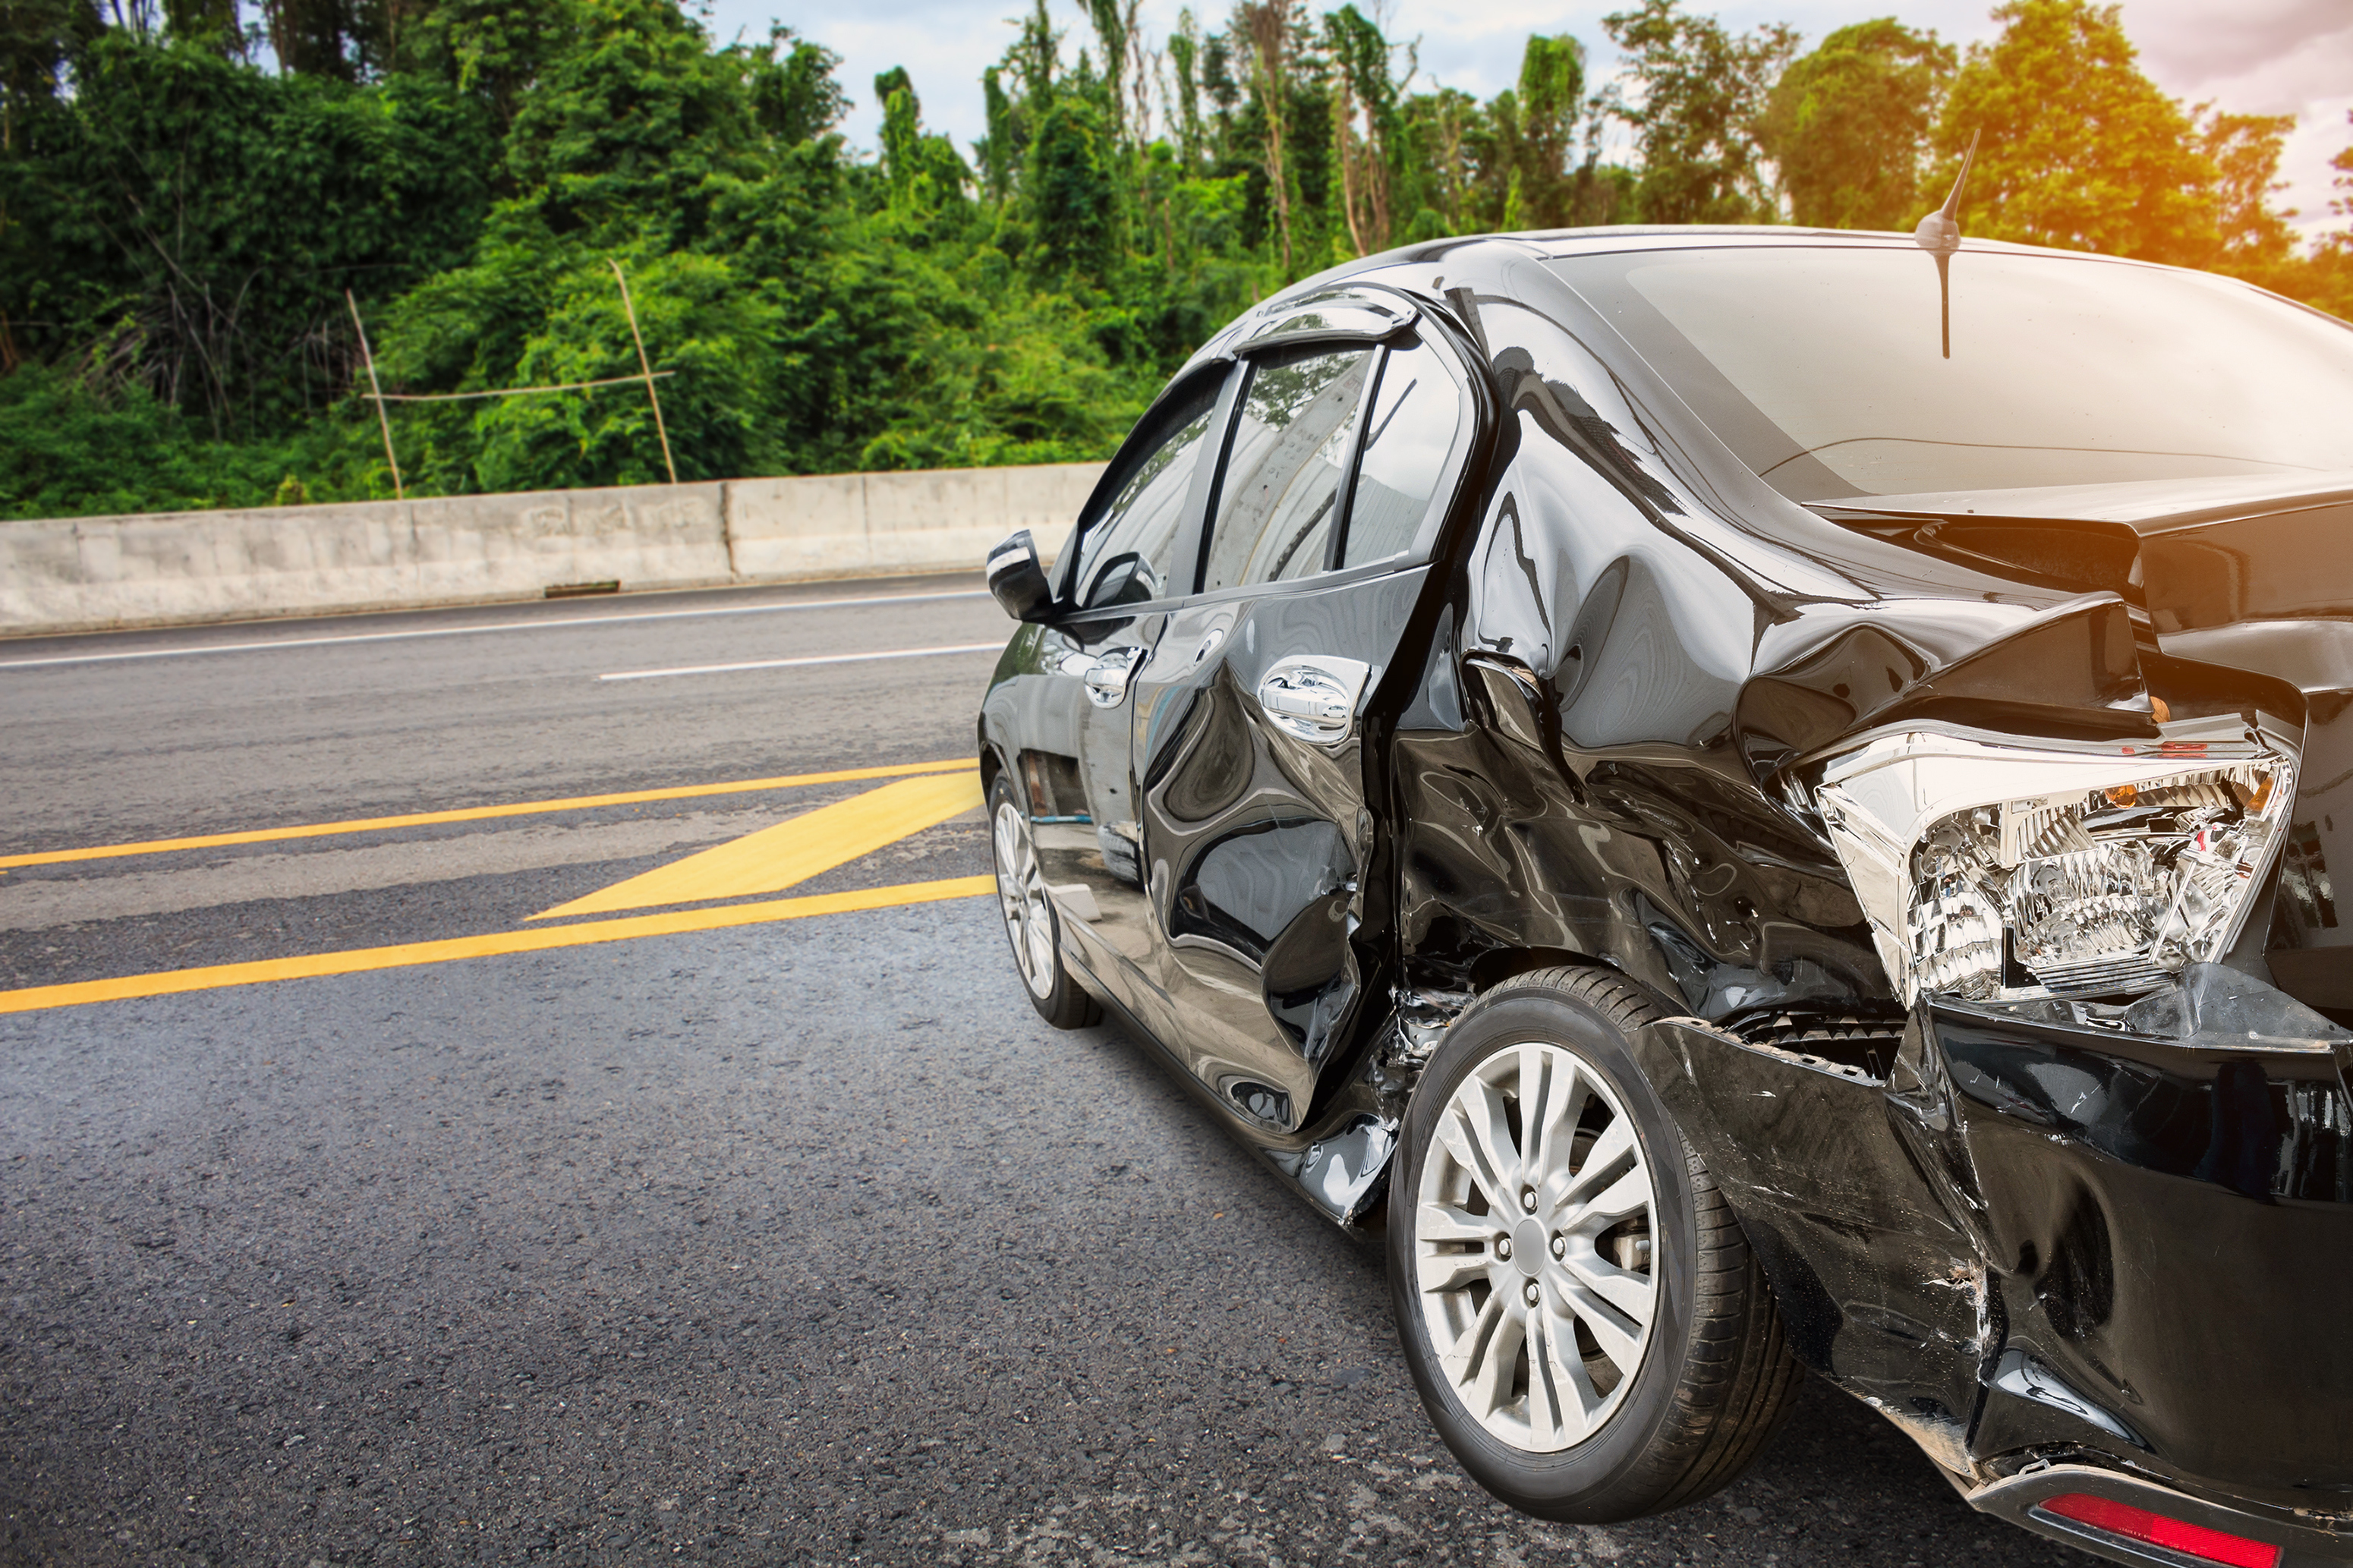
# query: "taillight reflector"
x,y
2175,1534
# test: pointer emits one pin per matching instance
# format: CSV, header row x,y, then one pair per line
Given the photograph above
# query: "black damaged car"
x,y
1752,799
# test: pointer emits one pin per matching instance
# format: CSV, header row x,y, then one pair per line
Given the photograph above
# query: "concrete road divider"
x,y
174,568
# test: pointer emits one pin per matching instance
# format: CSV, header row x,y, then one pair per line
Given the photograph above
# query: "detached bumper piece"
x,y
2127,1519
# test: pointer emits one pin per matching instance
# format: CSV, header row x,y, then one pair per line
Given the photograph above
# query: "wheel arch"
x,y
992,759
1503,965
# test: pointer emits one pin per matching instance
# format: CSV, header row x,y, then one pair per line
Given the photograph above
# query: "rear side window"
x,y
1128,554
1277,508
1416,414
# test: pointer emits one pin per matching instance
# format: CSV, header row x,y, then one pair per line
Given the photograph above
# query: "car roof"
x,y
1565,244
1560,244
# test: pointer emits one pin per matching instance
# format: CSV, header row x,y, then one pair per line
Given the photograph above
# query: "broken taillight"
x,y
2174,1534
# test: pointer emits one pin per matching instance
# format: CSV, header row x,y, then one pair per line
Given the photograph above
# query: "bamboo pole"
x,y
516,391
646,365
376,388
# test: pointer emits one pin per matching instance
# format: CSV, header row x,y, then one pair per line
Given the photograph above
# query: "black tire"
x,y
1713,1378
1022,899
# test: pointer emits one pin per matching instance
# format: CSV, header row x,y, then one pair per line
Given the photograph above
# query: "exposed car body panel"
x,y
2025,1235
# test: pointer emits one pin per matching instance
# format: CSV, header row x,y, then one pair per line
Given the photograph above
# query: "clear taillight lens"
x,y
2005,868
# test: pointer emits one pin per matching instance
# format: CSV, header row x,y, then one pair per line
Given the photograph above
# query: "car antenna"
x,y
1939,235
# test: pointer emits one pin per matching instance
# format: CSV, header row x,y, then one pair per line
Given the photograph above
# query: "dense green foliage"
x,y
1847,123
195,214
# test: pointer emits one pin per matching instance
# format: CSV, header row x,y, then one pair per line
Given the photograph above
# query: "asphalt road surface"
x,y
677,1176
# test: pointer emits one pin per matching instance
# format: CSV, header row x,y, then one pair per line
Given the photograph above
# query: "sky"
x,y
2269,57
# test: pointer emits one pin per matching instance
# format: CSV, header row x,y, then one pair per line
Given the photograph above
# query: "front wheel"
x,y
1031,921
1586,1325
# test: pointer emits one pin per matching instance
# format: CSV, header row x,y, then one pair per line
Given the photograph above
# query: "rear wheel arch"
x,y
1503,965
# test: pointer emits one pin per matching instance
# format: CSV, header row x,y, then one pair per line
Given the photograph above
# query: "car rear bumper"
x,y
2166,1227
2039,1242
2172,1528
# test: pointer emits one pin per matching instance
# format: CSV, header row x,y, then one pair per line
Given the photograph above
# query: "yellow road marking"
x,y
774,858
480,813
359,960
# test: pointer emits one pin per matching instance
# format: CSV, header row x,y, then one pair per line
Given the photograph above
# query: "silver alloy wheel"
x,y
1022,888
1533,1247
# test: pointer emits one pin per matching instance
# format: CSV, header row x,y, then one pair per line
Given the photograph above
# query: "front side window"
x,y
1128,555
1416,413
1277,508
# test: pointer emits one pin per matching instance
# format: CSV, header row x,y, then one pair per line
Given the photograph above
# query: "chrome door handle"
x,y
1313,698
1106,679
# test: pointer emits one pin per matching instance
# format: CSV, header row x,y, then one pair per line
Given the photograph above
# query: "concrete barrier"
x,y
172,568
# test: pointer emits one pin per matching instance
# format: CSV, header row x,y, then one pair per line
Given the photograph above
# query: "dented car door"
x,y
1261,849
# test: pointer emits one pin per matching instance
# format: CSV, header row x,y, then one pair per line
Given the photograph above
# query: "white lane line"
x,y
795,663
552,624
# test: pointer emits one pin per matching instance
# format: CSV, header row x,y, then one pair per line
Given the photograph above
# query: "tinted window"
x,y
1417,413
1824,369
1128,553
1283,472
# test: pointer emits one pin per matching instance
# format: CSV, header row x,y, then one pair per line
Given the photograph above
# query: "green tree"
x,y
1849,125
794,96
1071,190
1366,146
700,322
2245,151
1699,93
629,123
489,51
192,224
1184,61
337,38
923,171
1266,26
37,37
1550,104
2077,148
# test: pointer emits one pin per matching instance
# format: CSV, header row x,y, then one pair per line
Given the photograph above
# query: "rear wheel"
x,y
1584,1321
1031,922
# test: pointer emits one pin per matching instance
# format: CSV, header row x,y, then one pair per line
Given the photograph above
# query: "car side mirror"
x,y
1017,579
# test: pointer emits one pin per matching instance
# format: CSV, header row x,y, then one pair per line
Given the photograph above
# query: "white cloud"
x,y
2186,41
2273,57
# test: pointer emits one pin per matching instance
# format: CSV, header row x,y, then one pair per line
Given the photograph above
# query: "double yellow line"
x,y
827,821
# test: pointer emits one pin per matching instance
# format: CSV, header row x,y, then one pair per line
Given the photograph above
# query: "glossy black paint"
x,y
2024,1238
1261,850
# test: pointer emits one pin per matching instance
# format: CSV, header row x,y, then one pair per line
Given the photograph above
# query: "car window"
x,y
1128,554
1416,414
1829,371
1290,450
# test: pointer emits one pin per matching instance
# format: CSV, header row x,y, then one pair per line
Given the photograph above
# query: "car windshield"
x,y
1824,367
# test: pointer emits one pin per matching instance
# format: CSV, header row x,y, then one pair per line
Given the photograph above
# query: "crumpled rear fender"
x,y
2039,1237
2071,670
